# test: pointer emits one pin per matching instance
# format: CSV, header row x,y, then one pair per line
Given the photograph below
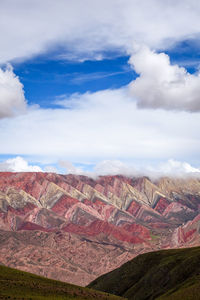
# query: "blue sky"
x,y
45,78
100,87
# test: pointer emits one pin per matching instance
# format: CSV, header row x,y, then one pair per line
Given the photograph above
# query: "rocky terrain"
x,y
75,228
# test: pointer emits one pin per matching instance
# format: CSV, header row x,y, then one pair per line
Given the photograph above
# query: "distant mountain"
x,y
15,284
75,228
166,274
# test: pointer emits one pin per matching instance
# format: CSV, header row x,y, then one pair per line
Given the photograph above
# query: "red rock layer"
x,y
111,216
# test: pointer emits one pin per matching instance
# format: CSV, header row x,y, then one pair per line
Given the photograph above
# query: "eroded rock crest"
x,y
75,228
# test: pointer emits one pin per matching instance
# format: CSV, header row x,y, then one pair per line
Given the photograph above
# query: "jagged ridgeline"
x,y
75,228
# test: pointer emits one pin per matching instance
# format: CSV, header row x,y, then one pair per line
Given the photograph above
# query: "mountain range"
x,y
75,228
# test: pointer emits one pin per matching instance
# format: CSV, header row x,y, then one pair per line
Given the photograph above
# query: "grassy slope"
x,y
15,284
166,274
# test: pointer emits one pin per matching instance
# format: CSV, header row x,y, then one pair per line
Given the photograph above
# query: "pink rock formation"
x,y
75,228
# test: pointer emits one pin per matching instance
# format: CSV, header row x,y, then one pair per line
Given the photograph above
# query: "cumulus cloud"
x,y
12,99
162,85
18,164
93,26
106,125
175,168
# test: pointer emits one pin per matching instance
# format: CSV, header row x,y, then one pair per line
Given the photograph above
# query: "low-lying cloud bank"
x,y
105,125
170,168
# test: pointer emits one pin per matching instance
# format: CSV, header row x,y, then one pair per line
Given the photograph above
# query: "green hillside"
x,y
15,284
166,274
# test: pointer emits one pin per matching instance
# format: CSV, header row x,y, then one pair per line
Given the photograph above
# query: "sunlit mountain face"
x,y
75,228
99,139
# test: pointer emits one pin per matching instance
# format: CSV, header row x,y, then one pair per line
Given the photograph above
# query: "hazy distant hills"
x,y
166,274
74,228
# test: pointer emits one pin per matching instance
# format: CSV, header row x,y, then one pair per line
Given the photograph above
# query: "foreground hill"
x,y
166,274
75,228
15,284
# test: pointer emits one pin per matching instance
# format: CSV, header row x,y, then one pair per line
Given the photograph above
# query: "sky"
x,y
100,87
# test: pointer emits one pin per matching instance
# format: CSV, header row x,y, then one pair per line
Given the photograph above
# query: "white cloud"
x,y
70,168
12,99
91,26
162,85
175,168
114,167
171,168
106,125
18,164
